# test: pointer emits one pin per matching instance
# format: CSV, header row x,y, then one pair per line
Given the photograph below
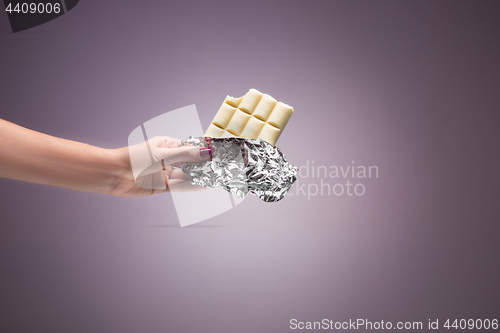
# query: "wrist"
x,y
119,170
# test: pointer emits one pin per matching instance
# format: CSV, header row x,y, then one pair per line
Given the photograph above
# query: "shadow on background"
x,y
191,226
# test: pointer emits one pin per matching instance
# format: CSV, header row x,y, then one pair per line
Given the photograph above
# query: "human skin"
x,y
31,156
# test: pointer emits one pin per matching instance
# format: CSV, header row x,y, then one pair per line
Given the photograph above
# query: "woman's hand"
x,y
153,167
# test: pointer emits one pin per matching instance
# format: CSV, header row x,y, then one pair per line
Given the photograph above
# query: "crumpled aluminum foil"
x,y
240,166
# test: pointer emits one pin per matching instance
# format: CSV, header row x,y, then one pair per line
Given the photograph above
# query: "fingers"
x,y
164,142
178,174
171,173
180,184
182,154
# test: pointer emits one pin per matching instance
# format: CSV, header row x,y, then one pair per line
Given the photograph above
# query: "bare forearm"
x,y
39,158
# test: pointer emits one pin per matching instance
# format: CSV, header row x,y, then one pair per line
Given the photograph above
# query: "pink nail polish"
x,y
205,152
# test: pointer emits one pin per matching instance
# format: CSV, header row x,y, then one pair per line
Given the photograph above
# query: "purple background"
x,y
410,86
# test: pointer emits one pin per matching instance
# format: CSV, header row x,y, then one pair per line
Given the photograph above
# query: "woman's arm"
x,y
39,158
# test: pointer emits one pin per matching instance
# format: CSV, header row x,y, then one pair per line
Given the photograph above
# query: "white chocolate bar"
x,y
253,116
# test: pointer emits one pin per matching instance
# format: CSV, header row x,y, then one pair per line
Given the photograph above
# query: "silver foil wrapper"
x,y
240,166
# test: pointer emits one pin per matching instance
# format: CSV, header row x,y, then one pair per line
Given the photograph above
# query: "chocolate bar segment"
x,y
253,116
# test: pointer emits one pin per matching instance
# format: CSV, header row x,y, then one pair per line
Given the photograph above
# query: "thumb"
x,y
183,154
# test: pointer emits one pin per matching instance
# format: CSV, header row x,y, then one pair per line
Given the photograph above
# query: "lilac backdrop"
x,y
410,86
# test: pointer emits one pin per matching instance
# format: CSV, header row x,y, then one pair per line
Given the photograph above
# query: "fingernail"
x,y
205,152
